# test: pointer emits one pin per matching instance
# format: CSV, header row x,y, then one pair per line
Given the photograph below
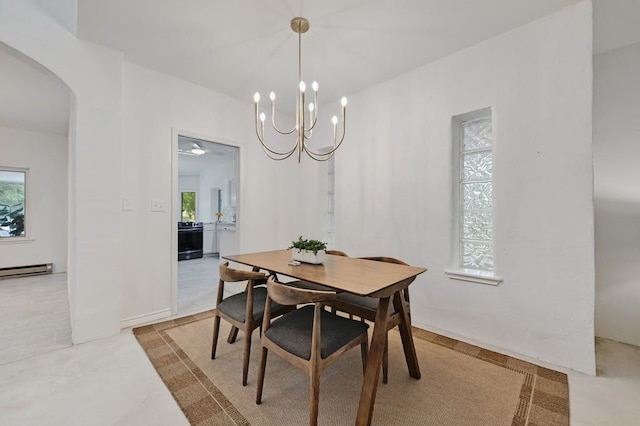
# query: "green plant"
x,y
309,245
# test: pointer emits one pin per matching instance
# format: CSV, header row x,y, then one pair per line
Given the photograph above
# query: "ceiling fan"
x,y
195,150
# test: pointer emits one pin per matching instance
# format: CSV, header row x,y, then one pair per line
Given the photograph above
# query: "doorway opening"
x,y
206,210
34,207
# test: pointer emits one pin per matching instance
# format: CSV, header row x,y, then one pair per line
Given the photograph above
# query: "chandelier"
x,y
305,117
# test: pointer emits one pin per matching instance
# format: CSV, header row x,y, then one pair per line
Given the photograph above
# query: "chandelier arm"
x,y
313,115
287,153
259,123
315,154
273,121
314,120
335,147
319,156
273,124
260,134
284,156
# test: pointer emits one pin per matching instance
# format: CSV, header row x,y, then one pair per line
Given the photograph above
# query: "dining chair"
x,y
244,311
366,307
309,338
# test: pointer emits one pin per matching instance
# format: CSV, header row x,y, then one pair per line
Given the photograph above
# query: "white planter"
x,y
307,256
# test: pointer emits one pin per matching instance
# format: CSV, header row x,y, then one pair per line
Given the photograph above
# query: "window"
x,y
13,183
474,188
188,206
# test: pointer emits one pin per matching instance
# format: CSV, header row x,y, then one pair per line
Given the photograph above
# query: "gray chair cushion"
x,y
236,306
292,332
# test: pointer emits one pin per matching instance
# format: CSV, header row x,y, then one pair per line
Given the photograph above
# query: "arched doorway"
x,y
34,129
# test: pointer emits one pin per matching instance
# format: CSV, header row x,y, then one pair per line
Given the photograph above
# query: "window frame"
x,y
27,209
457,271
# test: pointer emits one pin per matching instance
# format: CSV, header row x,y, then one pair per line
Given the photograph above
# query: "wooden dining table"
x,y
381,280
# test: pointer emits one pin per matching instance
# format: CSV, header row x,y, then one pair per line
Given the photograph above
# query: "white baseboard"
x,y
145,318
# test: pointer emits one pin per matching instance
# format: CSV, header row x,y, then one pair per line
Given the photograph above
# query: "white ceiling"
x,y
238,47
242,46
616,23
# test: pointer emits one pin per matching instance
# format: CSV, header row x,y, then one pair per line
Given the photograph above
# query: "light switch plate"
x,y
158,206
127,204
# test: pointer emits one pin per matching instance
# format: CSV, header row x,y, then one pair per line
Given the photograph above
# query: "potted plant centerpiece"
x,y
308,251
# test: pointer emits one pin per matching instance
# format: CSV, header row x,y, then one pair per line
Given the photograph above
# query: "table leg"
x,y
374,361
407,336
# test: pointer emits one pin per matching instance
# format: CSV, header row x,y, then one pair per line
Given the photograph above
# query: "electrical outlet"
x,y
158,206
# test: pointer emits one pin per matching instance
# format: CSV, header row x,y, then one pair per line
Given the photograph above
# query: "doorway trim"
x,y
175,218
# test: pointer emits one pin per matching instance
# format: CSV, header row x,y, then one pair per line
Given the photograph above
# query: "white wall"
x,y
278,200
616,133
94,76
394,186
46,157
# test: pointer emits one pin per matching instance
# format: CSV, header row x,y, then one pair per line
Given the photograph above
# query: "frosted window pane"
x,y
477,196
477,226
476,135
477,166
477,256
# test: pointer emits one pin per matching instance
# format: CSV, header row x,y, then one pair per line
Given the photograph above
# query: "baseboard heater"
x,y
25,271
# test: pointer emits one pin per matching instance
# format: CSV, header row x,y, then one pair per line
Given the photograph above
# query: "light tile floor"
x,y
613,397
34,316
104,382
111,381
197,285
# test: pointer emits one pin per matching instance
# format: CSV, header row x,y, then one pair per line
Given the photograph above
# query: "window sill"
x,y
15,240
480,277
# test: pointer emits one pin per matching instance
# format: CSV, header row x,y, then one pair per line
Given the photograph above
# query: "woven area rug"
x,y
461,384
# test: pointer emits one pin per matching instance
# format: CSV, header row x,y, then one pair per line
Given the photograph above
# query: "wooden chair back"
x,y
287,295
405,293
385,259
231,275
